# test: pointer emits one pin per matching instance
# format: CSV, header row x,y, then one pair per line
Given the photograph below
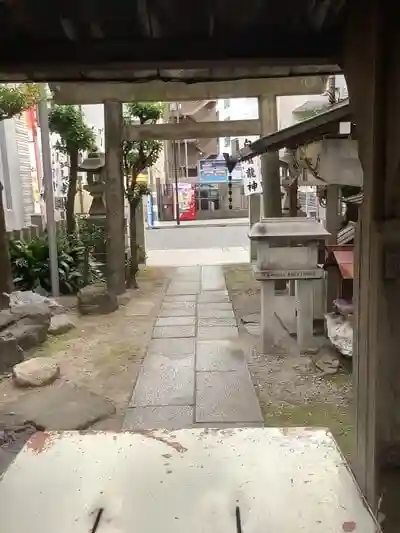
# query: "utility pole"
x,y
176,195
175,158
43,113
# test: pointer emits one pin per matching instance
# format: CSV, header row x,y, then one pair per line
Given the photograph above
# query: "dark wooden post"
x,y
372,69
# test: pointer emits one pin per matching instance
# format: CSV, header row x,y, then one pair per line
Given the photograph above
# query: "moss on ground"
x,y
317,414
286,400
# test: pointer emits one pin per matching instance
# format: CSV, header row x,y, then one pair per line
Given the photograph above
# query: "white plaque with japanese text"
x,y
252,176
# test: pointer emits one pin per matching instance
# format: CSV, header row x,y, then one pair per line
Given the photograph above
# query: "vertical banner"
x,y
187,201
30,116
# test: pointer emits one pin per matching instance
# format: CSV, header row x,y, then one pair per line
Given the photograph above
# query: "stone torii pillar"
x,y
114,193
372,68
270,160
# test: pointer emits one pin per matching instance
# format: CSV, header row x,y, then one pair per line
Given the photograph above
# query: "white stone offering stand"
x,y
287,248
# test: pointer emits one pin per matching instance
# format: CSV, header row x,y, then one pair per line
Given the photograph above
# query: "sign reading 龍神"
x,y
251,170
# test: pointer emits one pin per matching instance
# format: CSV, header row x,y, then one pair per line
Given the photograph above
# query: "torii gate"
x,y
113,95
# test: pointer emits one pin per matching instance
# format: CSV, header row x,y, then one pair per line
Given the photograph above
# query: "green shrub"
x,y
31,264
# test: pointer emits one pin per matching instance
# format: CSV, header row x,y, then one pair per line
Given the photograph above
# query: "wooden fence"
x,y
30,232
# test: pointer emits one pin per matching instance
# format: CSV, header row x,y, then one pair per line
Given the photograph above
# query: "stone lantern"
x,y
94,168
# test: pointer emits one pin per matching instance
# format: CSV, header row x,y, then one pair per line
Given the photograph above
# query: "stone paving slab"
x,y
219,355
171,348
226,397
188,273
174,298
213,297
171,384
170,306
225,306
217,332
215,313
173,332
166,417
194,346
184,288
215,322
177,311
212,279
176,321
170,309
155,362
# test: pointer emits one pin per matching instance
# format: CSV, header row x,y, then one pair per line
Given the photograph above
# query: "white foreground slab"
x,y
197,480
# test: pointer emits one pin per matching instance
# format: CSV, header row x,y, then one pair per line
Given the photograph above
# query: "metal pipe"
x,y
175,157
186,160
176,184
43,114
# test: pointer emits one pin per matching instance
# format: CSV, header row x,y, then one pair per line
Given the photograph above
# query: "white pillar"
x,y
305,313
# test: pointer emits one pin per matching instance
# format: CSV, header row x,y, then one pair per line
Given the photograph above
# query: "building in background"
x,y
16,173
290,109
188,155
189,151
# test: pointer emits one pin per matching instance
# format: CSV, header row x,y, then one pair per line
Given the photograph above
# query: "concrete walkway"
x,y
198,256
194,373
217,223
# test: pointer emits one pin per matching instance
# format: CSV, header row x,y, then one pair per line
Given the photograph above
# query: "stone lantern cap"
x,y
92,163
300,230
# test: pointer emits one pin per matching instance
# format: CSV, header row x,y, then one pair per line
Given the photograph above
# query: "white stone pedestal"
x,y
287,249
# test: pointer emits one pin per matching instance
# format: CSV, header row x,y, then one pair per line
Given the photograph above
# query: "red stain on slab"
x,y
39,442
348,527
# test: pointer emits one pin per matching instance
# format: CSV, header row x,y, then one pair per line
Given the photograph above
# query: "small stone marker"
x,y
96,300
60,324
35,372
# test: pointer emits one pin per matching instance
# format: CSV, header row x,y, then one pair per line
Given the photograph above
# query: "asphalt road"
x,y
186,237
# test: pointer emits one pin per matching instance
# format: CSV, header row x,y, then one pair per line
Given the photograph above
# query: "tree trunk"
x,y
134,264
6,281
71,193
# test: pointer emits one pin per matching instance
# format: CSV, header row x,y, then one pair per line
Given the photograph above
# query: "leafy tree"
x,y
68,121
137,156
14,99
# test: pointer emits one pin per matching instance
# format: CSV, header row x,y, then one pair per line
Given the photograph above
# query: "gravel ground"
x,y
291,390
